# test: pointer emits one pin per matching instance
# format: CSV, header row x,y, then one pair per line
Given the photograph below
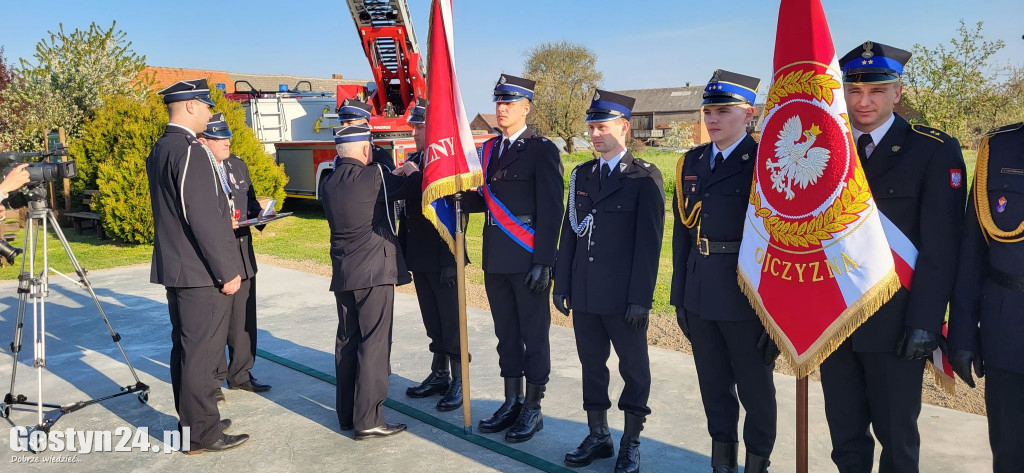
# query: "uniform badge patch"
x,y
956,178
238,214
691,187
1001,204
583,193
1018,172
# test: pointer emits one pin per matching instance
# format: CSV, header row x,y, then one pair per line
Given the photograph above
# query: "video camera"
x,y
42,171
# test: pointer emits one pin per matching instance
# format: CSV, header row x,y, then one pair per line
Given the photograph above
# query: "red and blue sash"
x,y
518,231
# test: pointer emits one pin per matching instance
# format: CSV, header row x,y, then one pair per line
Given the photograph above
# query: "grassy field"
x,y
91,252
305,236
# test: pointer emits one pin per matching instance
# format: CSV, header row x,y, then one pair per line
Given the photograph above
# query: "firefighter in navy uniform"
x,y
242,319
195,256
357,198
523,177
990,293
733,354
606,271
354,112
433,271
873,380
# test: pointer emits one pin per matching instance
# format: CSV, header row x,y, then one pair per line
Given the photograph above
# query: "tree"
x,y
566,76
67,83
957,89
679,135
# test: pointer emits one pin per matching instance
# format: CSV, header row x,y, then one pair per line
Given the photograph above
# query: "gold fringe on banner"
x,y
841,329
941,380
445,187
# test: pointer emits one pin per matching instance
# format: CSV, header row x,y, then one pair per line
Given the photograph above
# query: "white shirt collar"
x,y
727,151
183,128
878,133
515,136
614,161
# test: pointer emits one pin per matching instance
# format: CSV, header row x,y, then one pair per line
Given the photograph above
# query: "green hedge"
x,y
268,177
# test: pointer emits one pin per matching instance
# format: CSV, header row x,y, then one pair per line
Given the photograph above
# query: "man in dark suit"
x,y
522,195
242,319
916,173
610,286
734,356
986,316
196,257
355,112
357,197
433,271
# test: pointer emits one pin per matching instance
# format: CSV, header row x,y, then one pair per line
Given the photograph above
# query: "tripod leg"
x,y
84,279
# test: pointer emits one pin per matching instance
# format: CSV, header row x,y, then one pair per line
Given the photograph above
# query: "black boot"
x,y
724,457
452,398
530,420
506,415
436,383
756,464
629,446
597,445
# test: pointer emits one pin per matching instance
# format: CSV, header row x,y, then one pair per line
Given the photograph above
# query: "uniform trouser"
x,y
1003,391
241,336
595,335
199,324
362,354
730,371
522,320
439,306
878,390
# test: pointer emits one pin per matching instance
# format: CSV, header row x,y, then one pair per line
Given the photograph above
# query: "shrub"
x,y
268,178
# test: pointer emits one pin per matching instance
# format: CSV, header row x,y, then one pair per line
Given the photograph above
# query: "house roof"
x,y
489,118
670,99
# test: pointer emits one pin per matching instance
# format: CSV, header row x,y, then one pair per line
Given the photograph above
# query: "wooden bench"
x,y
92,219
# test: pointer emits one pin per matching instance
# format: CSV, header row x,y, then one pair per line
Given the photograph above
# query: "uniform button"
x,y
515,175
618,207
738,191
706,214
891,190
707,194
1006,186
579,206
593,211
591,258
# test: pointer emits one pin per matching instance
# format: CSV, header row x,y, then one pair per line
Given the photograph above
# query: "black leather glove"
x,y
448,275
637,316
916,344
561,303
962,361
539,278
684,325
769,350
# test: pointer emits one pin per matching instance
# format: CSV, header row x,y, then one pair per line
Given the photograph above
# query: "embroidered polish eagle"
x,y
799,163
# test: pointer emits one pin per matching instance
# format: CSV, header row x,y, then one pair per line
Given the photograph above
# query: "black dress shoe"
x,y
596,445
382,431
219,395
508,412
251,386
225,424
225,442
436,383
530,420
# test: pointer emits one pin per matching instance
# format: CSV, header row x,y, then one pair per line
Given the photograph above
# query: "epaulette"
x,y
584,163
698,149
643,165
1004,129
932,133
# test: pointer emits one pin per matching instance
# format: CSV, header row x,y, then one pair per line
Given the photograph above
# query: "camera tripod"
x,y
33,288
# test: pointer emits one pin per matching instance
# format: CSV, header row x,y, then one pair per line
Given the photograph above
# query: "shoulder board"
x,y
697,149
930,132
585,163
1004,129
643,165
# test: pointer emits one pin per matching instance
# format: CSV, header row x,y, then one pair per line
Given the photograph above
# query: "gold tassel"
x,y
981,203
941,380
852,317
445,187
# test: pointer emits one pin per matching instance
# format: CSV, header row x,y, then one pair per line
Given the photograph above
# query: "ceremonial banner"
x,y
450,161
814,260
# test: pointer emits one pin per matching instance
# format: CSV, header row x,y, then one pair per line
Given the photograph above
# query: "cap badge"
x,y
867,54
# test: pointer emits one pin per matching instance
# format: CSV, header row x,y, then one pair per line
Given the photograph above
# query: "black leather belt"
x,y
706,247
526,219
1012,282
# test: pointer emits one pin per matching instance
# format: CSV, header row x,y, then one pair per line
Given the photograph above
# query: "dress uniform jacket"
x,y
194,245
617,263
979,299
422,246
706,284
364,251
248,206
918,179
527,178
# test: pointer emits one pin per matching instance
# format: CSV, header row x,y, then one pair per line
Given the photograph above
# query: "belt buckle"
x,y
703,246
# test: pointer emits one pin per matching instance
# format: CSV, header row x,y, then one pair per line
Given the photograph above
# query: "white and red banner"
x,y
450,161
814,260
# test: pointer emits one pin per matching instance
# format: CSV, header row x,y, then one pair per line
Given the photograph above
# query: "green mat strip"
x,y
456,430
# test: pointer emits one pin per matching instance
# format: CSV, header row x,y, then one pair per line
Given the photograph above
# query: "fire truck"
x,y
294,123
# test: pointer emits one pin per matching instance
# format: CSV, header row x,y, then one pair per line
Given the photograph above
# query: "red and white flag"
x,y
450,161
814,260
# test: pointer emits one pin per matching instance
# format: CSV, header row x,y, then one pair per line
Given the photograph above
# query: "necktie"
x,y
605,172
862,145
504,147
718,162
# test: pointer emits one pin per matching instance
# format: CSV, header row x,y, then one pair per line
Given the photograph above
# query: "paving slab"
x,y
294,426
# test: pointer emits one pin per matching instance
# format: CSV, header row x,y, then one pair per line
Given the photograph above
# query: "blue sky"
x,y
658,44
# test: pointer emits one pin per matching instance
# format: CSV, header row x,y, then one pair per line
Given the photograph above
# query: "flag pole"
x,y
460,277
801,425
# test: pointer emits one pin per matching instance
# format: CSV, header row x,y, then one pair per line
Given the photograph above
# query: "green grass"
x,y
91,252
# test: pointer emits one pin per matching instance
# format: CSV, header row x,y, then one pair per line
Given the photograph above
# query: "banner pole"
x,y
460,277
801,425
